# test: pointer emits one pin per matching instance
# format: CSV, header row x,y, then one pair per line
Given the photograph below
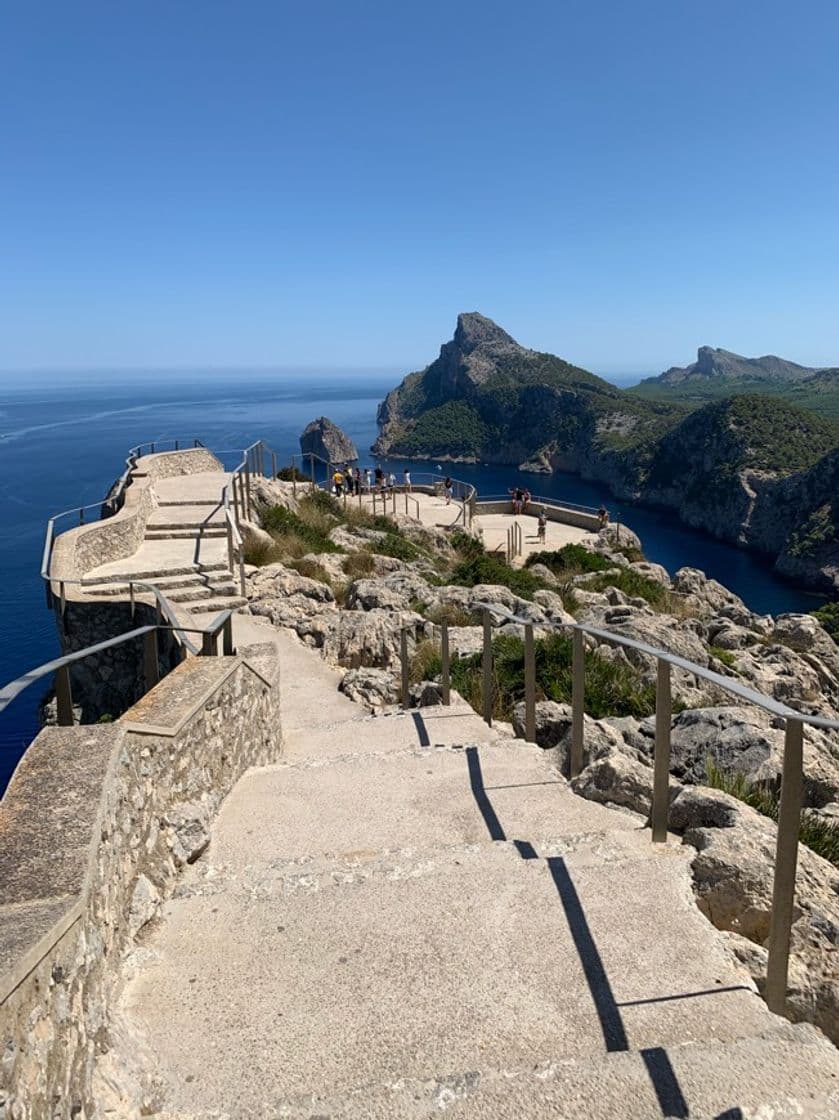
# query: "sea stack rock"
x,y
327,440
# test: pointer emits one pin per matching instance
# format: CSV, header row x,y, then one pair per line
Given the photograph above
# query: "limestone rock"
x,y
325,439
189,829
374,688
144,903
617,779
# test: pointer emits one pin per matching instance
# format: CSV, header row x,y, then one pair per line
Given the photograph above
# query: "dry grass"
x,y
359,564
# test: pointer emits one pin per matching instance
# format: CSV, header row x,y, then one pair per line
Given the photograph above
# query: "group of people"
x,y
521,499
358,481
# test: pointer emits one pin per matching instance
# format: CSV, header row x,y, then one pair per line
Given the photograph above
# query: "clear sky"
x,y
328,182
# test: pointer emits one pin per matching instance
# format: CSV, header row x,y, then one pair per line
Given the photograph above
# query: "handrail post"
x,y
247,502
273,464
151,669
786,858
64,697
487,667
242,574
131,597
578,691
445,682
661,778
529,684
177,445
227,637
209,643
312,468
230,557
294,475
403,652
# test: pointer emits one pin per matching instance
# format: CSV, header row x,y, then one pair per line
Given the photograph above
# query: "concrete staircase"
x,y
414,915
184,551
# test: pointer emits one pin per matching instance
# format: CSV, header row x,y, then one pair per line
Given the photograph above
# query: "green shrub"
x,y
483,567
311,569
291,474
612,688
259,552
723,655
819,835
427,663
828,616
395,545
571,559
309,529
452,614
359,564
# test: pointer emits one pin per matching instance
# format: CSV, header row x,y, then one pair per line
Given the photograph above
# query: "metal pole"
x,y
229,546
578,689
247,490
209,643
177,445
151,668
64,697
273,464
131,596
294,475
63,594
406,503
786,858
312,465
403,651
661,774
529,684
242,574
487,665
227,637
444,672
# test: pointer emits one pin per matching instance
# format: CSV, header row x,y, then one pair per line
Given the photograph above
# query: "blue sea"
x,y
64,438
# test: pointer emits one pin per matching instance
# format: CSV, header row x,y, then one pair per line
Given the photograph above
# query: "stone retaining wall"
x,y
589,521
169,464
94,827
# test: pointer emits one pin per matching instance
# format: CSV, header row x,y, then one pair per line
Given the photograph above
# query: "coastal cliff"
x,y
752,469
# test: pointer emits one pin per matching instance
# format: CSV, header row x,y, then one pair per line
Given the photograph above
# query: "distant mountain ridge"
x,y
717,373
752,468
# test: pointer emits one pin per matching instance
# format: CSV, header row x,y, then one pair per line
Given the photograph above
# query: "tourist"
x,y
603,516
447,489
357,481
542,525
380,477
338,482
368,479
525,499
512,492
406,478
391,480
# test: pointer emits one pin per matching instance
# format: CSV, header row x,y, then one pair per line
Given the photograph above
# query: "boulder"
x,y
326,440
704,594
374,688
617,779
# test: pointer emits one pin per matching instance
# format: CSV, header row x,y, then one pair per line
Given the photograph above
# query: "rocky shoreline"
x,y
356,624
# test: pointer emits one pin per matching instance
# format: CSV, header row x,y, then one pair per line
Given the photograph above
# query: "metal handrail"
x,y
540,500
789,812
221,624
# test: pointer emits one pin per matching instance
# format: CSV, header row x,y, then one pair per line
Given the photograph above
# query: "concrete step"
x,y
203,593
156,575
214,605
186,517
785,1072
185,533
192,580
204,503
467,958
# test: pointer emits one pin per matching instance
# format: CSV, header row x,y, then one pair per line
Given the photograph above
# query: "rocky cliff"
x,y
326,440
753,470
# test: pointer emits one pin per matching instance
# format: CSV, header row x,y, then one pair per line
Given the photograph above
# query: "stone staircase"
x,y
413,915
184,551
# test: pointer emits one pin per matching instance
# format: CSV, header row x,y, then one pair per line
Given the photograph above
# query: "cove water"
x,y
64,438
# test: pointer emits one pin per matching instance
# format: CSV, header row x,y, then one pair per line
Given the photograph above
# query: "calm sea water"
x,y
63,441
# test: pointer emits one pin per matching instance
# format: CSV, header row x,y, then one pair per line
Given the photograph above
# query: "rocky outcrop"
x,y
327,441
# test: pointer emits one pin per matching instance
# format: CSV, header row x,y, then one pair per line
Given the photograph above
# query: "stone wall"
x,y
94,827
588,521
108,683
169,464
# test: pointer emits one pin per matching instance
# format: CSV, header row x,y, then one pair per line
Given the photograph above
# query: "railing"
x,y
515,542
108,506
222,625
789,814
541,500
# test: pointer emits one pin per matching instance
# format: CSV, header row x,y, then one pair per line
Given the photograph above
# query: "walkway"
x,y
184,552
413,914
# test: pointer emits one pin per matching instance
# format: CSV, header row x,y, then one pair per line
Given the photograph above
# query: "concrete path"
x,y
494,526
412,914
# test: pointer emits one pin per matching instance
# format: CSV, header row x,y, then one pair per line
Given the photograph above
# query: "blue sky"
x,y
329,183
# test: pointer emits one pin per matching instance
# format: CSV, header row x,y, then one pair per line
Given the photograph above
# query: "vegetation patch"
x,y
359,564
259,552
828,616
311,569
819,835
570,560
612,688
634,585
305,531
724,655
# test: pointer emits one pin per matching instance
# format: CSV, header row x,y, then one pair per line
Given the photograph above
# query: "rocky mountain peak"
x,y
474,329
326,440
